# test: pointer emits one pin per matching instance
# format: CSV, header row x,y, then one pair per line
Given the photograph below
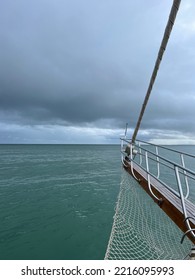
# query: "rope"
x,y
168,29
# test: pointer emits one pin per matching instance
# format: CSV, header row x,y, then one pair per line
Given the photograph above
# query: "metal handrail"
x,y
186,179
160,181
163,147
161,160
148,175
162,163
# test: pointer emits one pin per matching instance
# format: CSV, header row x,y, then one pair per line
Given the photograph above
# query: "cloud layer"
x,y
84,66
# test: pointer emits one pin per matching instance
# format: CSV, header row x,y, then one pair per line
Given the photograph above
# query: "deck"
x,y
170,203
166,199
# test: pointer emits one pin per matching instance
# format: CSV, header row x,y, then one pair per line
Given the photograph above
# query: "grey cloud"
x,y
88,63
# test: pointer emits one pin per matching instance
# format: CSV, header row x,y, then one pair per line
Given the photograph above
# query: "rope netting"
x,y
141,230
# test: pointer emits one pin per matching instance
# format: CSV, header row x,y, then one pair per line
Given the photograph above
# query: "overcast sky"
x,y
75,71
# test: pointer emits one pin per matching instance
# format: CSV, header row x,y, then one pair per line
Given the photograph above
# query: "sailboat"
x,y
163,178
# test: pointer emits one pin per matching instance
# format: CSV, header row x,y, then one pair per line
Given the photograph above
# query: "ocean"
x,y
57,201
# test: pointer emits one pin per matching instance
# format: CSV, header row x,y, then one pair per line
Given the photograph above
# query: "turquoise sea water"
x,y
57,201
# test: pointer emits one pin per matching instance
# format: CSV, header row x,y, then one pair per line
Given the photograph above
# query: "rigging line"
x,y
168,29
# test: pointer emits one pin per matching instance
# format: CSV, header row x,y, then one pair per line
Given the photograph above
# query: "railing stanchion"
x,y
186,179
190,230
129,158
140,154
148,175
158,165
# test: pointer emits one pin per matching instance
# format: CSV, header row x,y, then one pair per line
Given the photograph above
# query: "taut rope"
x,y
168,29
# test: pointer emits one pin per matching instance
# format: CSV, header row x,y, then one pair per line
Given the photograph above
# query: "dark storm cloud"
x,y
88,63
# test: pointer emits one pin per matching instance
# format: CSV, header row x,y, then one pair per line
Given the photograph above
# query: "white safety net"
x,y
141,230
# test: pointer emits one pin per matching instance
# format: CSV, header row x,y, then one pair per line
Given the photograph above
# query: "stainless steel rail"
x,y
148,157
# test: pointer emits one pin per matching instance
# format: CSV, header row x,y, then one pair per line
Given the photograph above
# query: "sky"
x,y
75,72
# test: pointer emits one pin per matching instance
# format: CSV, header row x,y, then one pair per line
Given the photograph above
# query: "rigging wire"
x,y
168,29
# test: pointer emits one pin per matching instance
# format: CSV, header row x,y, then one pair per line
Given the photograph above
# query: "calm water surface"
x,y
57,201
